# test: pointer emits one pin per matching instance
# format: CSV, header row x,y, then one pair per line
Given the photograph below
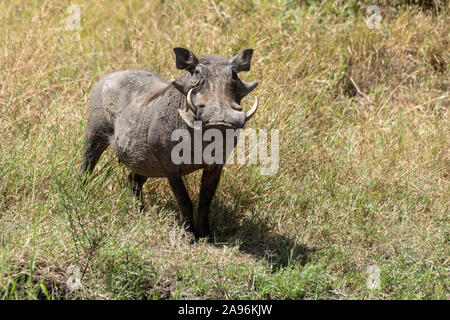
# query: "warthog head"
x,y
213,89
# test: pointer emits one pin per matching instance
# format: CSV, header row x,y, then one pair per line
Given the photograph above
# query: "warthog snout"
x,y
213,89
226,116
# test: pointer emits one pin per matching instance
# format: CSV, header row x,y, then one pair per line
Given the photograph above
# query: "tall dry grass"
x,y
364,161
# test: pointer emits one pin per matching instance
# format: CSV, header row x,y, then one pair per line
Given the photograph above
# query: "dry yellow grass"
x,y
364,153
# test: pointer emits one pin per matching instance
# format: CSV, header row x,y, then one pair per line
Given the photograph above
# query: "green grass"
x,y
364,154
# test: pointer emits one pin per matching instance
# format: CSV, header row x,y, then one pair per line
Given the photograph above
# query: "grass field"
x,y
363,118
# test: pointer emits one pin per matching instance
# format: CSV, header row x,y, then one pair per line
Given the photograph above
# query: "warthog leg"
x,y
93,148
183,199
210,180
96,139
136,183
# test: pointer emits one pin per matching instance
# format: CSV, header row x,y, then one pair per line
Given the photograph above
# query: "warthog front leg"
x,y
183,199
210,180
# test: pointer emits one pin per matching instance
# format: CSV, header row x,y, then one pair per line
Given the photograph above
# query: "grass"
x,y
364,154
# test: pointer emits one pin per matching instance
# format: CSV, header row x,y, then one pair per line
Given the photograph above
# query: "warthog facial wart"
x,y
138,114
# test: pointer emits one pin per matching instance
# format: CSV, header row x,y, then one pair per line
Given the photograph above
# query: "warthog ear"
x,y
241,61
185,59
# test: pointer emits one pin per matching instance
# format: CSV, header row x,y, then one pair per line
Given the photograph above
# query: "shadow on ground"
x,y
253,234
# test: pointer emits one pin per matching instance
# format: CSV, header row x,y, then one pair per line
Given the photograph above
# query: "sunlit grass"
x,y
364,154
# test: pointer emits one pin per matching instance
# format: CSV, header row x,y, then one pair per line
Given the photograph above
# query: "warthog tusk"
x,y
191,104
252,111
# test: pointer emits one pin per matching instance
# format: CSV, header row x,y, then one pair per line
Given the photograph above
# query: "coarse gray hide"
x,y
136,111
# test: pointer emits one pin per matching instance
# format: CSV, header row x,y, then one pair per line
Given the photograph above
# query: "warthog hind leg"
x,y
136,183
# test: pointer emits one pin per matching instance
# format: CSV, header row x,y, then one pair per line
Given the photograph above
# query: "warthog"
x,y
136,112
